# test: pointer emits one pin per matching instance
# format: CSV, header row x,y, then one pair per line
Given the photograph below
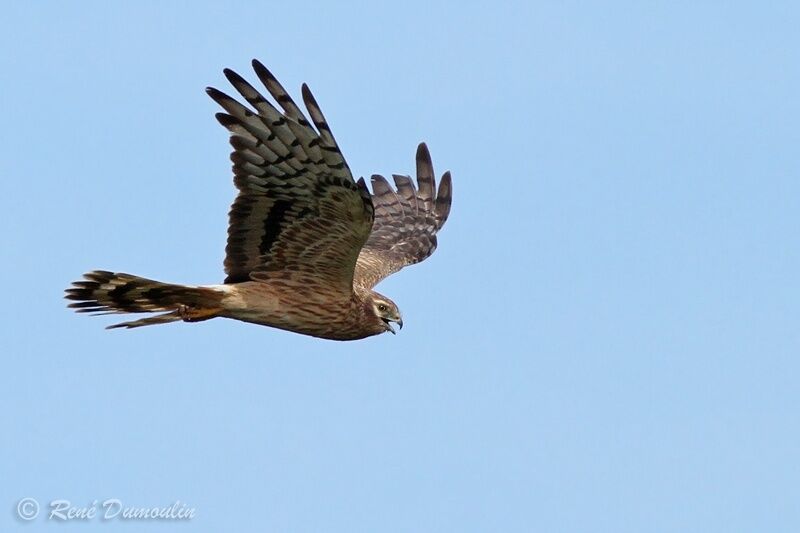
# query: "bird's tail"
x,y
103,292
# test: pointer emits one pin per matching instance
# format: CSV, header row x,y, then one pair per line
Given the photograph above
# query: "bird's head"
x,y
384,312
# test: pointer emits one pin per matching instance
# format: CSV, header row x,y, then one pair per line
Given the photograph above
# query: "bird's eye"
x,y
382,308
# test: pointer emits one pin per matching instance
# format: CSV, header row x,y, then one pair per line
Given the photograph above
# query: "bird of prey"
x,y
306,242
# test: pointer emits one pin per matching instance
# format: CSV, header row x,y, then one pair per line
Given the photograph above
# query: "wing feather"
x,y
425,178
299,214
406,221
407,192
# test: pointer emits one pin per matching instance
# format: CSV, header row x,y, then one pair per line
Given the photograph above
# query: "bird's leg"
x,y
191,314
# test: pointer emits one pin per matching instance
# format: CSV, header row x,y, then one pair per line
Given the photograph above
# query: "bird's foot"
x,y
192,314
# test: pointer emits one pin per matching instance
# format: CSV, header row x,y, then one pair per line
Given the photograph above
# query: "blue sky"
x,y
606,339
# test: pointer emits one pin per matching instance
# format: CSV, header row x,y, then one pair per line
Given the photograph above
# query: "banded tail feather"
x,y
102,292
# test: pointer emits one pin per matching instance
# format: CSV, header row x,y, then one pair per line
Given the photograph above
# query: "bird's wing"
x,y
406,221
299,213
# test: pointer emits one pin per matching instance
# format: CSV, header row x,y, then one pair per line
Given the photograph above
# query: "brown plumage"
x,y
306,242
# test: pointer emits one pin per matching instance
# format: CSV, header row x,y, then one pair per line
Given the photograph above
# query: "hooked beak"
x,y
389,327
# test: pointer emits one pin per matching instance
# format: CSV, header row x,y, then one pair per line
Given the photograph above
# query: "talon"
x,y
192,314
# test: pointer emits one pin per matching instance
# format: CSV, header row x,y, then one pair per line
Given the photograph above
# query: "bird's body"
x,y
276,305
306,242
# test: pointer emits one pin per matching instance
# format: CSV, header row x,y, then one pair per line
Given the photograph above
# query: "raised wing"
x,y
406,221
299,213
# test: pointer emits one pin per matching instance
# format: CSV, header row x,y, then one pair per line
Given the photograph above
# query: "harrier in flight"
x,y
306,242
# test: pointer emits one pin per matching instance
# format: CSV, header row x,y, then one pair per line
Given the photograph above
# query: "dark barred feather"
x,y
102,292
406,221
296,192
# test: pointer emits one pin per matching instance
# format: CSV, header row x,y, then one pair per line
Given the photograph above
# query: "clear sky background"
x,y
606,340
